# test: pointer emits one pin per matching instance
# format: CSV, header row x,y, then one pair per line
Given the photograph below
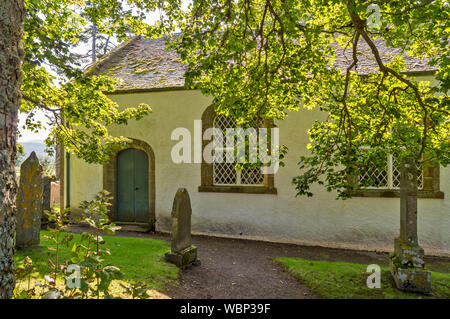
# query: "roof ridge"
x,y
94,66
146,63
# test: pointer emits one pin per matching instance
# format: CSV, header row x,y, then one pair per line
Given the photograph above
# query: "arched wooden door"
x,y
132,186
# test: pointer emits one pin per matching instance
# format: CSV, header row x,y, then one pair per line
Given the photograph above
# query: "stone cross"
x,y
29,203
407,263
182,252
408,202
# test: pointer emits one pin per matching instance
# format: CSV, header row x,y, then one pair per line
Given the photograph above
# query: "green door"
x,y
132,186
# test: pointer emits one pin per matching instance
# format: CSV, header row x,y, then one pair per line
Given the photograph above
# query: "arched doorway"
x,y
132,186
141,152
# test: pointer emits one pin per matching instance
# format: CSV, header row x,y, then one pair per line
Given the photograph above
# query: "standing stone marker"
x,y
29,203
407,264
183,253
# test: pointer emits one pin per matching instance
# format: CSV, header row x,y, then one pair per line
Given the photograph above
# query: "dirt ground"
x,y
241,269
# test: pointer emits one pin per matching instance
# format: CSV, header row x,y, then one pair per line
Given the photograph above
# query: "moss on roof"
x,y
146,63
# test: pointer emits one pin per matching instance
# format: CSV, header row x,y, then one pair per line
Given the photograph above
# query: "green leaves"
x,y
86,266
259,59
245,54
137,290
90,255
108,274
76,104
267,58
82,112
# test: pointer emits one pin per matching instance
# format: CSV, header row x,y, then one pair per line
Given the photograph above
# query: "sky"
x,y
28,136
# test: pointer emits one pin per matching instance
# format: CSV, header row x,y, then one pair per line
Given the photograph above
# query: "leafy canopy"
x,y
260,58
269,57
76,102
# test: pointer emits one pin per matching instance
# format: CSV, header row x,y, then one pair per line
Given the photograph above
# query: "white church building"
x,y
143,178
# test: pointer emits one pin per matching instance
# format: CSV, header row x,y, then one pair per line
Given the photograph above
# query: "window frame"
x,y
224,149
207,169
390,168
430,185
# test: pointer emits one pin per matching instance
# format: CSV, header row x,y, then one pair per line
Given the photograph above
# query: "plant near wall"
x,y
90,255
58,222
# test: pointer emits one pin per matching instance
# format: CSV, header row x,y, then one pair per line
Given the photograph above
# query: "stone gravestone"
x,y
183,253
46,198
407,263
29,203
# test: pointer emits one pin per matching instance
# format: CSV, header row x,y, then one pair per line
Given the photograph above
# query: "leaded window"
x,y
387,177
226,173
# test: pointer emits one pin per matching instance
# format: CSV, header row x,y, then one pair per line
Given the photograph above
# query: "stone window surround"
x,y
207,169
110,178
430,189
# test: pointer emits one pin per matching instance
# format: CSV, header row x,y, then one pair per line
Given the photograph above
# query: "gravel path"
x,y
237,269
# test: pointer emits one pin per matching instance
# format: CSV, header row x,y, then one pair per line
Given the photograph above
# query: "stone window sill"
x,y
238,189
395,193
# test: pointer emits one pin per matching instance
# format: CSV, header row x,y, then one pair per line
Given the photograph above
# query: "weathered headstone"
x,y
407,264
29,203
183,253
46,198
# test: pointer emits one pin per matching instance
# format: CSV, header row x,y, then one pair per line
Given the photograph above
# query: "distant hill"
x,y
34,146
48,163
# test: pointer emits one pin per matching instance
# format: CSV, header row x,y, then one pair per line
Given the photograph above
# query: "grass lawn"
x,y
140,259
348,280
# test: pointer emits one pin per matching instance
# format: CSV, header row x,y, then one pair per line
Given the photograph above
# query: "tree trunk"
x,y
11,57
94,42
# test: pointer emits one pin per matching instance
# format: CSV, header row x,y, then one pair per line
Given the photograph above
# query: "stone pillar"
x,y
29,203
183,253
407,263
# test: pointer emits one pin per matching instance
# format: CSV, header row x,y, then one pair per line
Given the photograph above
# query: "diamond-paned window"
x,y
396,174
388,178
252,176
226,173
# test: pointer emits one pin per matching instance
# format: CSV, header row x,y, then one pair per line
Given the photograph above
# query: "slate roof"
x,y
142,64
366,61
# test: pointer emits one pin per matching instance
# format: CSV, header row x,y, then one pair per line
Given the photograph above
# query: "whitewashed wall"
x,y
361,223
